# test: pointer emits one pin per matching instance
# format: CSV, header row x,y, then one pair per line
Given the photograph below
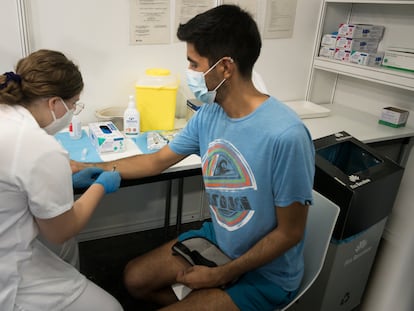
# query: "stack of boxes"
x,y
358,44
354,43
328,44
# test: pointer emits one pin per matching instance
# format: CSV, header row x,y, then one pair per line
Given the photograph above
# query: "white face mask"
x,y
59,124
197,84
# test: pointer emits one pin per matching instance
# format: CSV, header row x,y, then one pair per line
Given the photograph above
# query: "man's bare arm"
x,y
137,166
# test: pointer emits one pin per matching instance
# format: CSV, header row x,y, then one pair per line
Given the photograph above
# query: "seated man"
x,y
258,167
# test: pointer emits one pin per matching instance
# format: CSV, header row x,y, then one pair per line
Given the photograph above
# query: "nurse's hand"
x,y
86,177
109,180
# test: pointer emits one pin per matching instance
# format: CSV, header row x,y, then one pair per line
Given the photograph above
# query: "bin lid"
x,y
158,78
157,72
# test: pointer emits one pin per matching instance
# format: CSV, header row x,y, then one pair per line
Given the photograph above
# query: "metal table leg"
x,y
180,203
167,207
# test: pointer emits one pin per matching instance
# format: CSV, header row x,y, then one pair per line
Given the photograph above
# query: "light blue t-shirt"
x,y
250,165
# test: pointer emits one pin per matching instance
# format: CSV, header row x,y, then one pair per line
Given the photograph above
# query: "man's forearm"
x,y
267,249
289,232
136,166
132,167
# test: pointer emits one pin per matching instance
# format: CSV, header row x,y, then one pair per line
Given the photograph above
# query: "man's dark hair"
x,y
225,30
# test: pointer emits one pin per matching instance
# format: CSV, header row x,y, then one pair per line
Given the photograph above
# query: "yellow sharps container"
x,y
156,98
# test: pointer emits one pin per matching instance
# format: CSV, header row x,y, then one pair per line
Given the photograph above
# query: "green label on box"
x,y
391,124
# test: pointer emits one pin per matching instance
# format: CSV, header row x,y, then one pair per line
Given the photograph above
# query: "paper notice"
x,y
149,22
279,19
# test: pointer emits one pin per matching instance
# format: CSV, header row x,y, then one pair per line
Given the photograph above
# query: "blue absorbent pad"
x,y
141,142
76,146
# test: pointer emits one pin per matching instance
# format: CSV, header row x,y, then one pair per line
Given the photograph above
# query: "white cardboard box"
x,y
364,45
325,51
399,58
394,117
361,31
106,137
366,59
329,40
342,55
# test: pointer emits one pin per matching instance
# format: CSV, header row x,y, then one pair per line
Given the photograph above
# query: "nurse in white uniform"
x,y
36,192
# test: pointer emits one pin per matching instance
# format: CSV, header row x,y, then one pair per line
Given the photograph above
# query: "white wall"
x,y
95,34
10,47
392,284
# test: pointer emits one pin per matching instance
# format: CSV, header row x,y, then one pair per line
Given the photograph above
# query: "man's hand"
x,y
197,277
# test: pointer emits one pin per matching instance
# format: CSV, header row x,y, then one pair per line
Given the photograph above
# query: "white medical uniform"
x,y
35,180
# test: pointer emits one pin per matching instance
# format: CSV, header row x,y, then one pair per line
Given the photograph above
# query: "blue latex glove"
x,y
86,177
110,181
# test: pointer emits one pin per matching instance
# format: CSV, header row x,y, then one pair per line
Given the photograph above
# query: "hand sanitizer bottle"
x,y
131,119
75,128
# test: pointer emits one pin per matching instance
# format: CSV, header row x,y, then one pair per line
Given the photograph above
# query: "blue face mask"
x,y
197,84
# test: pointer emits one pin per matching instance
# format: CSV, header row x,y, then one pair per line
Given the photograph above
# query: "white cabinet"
x,y
142,207
364,88
363,91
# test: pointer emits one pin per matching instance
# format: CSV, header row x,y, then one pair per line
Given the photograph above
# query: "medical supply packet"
x,y
329,40
158,139
394,117
357,44
342,55
399,58
366,59
361,31
328,52
106,137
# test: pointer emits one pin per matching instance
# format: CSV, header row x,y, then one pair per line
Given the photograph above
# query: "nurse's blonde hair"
x,y
43,73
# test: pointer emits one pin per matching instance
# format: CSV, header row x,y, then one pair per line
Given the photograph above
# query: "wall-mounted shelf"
x,y
372,1
382,75
362,87
356,94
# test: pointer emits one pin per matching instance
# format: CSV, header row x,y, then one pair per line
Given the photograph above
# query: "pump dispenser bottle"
x,y
131,119
75,128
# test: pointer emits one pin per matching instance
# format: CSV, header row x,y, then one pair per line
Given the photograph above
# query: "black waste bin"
x,y
364,184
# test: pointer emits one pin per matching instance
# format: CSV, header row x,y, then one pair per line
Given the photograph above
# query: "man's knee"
x,y
132,279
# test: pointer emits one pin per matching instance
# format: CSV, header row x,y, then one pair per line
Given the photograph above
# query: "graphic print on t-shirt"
x,y
227,176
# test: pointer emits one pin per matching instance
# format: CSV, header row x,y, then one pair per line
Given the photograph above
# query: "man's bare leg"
x,y
150,276
204,300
